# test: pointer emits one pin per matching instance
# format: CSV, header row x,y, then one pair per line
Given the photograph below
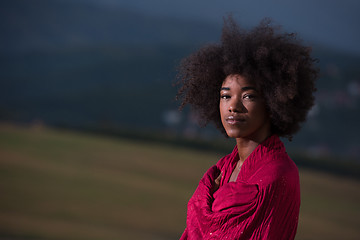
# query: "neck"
x,y
246,146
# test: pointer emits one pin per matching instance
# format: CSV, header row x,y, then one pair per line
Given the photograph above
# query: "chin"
x,y
240,134
232,134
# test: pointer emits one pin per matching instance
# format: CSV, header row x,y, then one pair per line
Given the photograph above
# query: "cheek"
x,y
261,114
222,114
221,109
222,118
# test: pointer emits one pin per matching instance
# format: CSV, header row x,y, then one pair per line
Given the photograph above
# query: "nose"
x,y
236,106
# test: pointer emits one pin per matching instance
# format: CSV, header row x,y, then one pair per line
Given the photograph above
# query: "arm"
x,y
199,206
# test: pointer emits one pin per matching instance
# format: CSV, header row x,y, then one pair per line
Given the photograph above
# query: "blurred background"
x,y
92,145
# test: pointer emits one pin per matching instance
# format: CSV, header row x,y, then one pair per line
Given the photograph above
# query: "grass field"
x,y
64,185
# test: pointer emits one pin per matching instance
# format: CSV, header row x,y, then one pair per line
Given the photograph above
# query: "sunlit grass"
x,y
63,185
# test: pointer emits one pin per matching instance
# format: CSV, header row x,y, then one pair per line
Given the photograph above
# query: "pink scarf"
x,y
263,203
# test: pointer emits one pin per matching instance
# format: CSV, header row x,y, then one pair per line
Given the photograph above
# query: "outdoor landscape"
x,y
92,145
65,185
76,65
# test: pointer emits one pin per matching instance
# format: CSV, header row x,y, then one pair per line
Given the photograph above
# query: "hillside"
x,y
66,185
66,63
56,24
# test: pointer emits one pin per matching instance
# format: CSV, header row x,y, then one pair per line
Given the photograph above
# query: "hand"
x,y
217,183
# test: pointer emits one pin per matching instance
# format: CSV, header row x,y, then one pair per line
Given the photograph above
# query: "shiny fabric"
x,y
263,203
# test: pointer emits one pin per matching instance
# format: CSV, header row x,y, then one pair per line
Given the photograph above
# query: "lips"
x,y
233,120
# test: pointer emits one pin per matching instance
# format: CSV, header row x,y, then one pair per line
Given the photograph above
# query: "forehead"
x,y
237,80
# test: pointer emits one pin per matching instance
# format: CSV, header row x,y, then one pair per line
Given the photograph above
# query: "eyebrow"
x,y
243,88
224,88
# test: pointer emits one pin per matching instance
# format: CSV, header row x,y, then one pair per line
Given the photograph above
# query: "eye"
x,y
224,96
249,96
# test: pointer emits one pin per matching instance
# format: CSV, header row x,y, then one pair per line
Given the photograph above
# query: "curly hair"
x,y
277,63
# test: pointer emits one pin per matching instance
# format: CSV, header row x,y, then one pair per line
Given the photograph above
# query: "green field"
x,y
64,185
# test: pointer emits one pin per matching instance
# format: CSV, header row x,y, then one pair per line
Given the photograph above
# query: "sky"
x,y
333,23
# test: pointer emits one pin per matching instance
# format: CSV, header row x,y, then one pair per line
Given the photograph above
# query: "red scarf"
x,y
263,203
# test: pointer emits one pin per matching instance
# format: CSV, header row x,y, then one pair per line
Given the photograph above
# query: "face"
x,y
242,109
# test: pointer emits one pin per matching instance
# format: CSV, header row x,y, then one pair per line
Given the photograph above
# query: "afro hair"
x,y
276,62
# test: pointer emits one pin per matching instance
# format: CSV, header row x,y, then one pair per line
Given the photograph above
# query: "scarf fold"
x,y
263,203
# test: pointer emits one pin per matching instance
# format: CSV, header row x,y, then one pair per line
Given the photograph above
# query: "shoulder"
x,y
278,170
274,164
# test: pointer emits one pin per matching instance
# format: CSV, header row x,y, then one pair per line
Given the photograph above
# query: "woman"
x,y
255,86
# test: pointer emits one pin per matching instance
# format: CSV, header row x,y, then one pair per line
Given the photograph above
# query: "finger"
x,y
218,179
